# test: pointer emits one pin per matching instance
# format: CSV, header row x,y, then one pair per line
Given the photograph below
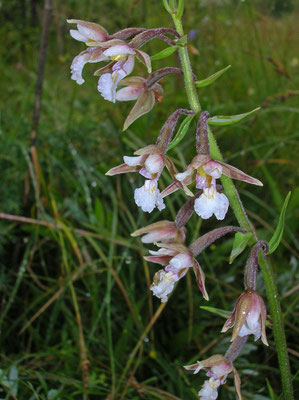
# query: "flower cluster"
x,y
120,50
218,368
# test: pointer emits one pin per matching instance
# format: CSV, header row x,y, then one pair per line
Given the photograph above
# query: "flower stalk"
x,y
242,218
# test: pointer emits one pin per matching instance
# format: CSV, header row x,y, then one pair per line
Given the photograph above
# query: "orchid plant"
x,y
119,51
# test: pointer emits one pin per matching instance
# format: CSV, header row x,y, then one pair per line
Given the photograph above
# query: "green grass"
x,y
75,300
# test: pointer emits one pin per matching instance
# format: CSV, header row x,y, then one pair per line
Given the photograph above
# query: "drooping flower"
x,y
177,260
103,47
149,163
204,171
248,317
218,368
162,231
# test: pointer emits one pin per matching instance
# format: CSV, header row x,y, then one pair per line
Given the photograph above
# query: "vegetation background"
x,y
75,300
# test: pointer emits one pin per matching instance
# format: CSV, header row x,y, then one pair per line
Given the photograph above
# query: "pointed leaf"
x,y
212,78
222,313
277,235
180,9
222,120
181,132
240,242
164,53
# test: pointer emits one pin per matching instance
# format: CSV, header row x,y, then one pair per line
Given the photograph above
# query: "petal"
x,y
120,169
78,36
90,33
128,93
107,87
163,284
100,30
181,261
148,196
200,277
213,168
145,59
133,161
119,49
236,173
211,202
154,163
77,67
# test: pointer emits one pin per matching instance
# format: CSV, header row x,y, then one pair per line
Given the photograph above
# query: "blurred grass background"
x,y
75,301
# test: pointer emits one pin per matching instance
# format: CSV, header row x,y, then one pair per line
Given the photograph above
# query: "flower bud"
x,y
248,317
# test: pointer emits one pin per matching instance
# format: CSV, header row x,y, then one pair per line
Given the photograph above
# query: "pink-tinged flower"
x,y
218,368
103,47
248,317
162,231
146,97
205,171
149,163
177,260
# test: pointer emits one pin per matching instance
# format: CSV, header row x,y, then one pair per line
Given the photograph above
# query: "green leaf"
x,y
270,390
182,41
222,120
181,131
277,235
166,5
240,242
180,9
211,78
164,53
222,313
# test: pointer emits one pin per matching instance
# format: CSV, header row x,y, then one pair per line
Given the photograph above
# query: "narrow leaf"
x,y
180,9
277,235
222,120
211,78
222,313
181,132
270,390
240,242
164,53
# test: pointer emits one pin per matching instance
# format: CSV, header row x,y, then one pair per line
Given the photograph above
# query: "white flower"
x,y
211,202
209,390
108,82
148,196
163,284
180,264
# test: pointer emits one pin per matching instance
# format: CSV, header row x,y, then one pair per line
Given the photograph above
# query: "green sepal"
x,y
240,242
181,131
211,78
277,235
164,53
222,120
222,313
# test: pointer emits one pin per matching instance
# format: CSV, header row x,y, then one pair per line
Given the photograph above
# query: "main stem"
x,y
238,209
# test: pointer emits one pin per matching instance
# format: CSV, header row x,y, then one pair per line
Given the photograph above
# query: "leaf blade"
x,y
212,78
277,235
240,242
164,53
217,311
223,120
181,132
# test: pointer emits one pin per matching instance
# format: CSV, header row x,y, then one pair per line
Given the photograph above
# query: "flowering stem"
x,y
188,76
238,209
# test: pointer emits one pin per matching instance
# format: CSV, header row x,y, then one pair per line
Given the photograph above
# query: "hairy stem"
x,y
238,209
